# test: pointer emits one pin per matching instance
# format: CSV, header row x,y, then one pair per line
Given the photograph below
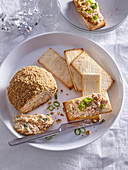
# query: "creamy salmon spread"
x,y
87,106
89,9
32,124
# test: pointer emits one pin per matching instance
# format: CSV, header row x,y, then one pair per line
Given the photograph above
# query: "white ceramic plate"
x,y
114,12
28,53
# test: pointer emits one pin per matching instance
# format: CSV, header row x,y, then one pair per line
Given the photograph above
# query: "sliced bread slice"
x,y
85,64
70,55
57,65
91,83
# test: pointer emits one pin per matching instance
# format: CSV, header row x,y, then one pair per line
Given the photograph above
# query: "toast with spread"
x,y
90,12
87,107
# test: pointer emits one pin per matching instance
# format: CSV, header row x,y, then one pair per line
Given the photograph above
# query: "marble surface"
x,y
110,152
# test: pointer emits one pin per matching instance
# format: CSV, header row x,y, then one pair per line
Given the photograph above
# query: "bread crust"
x,y
73,73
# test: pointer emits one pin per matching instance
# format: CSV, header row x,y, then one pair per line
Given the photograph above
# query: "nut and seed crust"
x,y
27,83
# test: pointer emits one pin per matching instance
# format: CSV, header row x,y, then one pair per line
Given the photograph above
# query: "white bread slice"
x,y
77,114
70,55
90,26
85,64
57,65
91,83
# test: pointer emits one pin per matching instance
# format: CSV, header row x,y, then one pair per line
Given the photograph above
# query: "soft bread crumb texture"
x,y
27,83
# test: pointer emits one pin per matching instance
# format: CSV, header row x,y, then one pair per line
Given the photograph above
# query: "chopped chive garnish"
x,y
25,125
80,108
88,99
95,17
45,118
63,109
89,12
56,103
103,120
82,104
90,1
55,95
102,106
94,6
77,131
38,119
50,107
50,137
83,130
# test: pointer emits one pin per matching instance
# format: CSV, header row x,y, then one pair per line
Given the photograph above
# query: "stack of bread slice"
x,y
78,69
88,77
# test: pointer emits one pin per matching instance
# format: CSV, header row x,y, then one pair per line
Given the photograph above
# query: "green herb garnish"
x,y
25,125
63,109
103,120
80,108
88,99
77,131
82,104
83,130
95,17
56,103
50,107
49,137
89,12
94,6
102,106
90,1
38,119
45,118
55,95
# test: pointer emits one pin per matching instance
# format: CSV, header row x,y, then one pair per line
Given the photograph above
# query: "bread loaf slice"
x,y
57,65
91,83
70,55
90,13
85,64
100,104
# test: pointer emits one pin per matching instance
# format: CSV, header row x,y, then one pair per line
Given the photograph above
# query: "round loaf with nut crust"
x,y
30,87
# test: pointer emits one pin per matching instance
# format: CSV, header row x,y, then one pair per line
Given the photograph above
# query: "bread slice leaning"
x,y
85,64
70,55
80,114
91,83
57,65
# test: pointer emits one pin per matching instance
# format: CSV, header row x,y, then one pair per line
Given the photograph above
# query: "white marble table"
x,y
110,152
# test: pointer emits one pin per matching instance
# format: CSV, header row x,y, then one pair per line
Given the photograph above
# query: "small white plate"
x,y
28,53
114,12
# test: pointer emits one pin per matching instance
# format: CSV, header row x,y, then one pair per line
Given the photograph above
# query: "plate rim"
x,y
122,97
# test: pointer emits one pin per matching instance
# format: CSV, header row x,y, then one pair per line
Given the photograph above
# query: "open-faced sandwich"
x,y
90,12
